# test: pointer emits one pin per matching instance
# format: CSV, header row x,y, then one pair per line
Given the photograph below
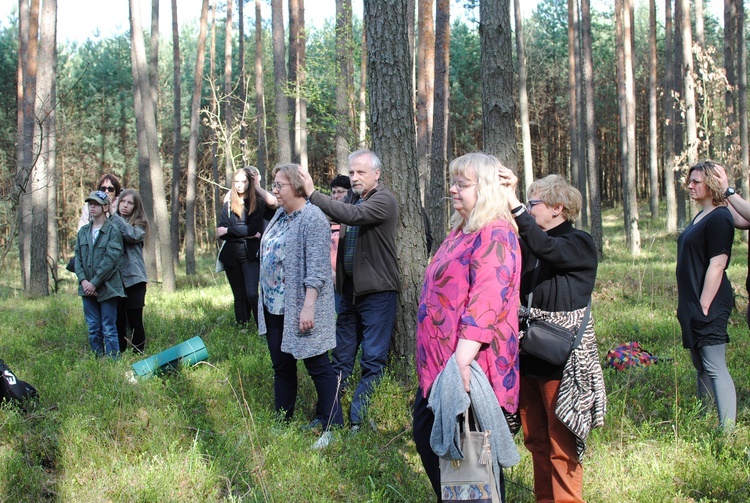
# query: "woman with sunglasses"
x,y
559,405
110,185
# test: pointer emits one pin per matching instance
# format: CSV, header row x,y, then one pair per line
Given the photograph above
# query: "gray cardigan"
x,y
307,263
132,267
448,400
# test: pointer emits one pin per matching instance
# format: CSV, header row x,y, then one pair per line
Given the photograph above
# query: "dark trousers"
x,y
366,321
423,419
243,279
285,377
130,318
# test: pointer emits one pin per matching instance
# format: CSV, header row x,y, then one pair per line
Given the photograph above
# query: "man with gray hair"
x,y
367,275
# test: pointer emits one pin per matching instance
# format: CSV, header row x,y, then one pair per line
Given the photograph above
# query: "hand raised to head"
x,y
307,182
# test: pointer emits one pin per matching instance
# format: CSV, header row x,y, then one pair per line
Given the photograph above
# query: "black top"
x,y
696,246
240,244
567,273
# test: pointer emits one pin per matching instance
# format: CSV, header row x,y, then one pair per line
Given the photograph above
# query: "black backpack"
x,y
14,390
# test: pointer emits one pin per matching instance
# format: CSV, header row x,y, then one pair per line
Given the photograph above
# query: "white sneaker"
x,y
324,441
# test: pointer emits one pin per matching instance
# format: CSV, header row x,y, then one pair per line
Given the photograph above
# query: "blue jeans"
x,y
101,317
365,321
285,377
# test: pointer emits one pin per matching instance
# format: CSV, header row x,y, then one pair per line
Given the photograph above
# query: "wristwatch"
x,y
729,192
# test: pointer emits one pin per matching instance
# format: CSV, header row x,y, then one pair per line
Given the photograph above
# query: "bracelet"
x,y
518,210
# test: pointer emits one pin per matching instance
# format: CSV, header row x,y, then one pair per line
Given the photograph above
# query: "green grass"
x,y
208,433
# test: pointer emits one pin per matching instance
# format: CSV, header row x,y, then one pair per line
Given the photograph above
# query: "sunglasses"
x,y
108,189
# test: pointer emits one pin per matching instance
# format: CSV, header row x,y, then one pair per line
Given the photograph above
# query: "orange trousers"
x,y
558,475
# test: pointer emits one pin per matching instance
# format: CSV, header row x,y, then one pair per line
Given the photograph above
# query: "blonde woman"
x,y
469,301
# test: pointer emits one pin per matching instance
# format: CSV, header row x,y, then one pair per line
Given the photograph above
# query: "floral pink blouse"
x,y
471,291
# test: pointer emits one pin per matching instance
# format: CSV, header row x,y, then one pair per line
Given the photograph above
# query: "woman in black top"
x,y
704,294
241,226
559,404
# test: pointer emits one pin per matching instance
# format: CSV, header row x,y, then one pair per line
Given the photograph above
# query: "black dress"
x,y
696,246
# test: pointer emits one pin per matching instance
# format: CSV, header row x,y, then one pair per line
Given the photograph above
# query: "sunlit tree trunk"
x,y
394,140
243,81
284,154
43,169
425,88
362,129
176,138
700,37
192,166
653,126
592,163
691,135
498,107
229,167
344,82
148,120
523,99
436,205
214,110
260,104
573,85
669,120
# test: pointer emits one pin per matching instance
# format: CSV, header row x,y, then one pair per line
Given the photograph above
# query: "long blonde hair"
x,y
492,196
138,218
237,202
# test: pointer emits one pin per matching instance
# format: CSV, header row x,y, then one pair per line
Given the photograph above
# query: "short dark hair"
x,y
113,180
341,181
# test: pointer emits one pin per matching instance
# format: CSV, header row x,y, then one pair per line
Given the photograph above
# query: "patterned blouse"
x,y
471,291
272,265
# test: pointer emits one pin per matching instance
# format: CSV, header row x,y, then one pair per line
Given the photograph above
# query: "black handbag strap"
x,y
586,316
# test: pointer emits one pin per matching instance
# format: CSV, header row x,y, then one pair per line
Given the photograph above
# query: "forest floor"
x,y
207,433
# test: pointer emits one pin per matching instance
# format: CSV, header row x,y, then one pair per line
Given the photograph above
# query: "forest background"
x,y
618,96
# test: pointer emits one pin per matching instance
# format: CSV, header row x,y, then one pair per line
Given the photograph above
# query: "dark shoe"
x,y
315,424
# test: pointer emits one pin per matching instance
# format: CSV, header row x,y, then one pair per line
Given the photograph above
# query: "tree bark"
x,y
296,78
176,138
344,82
362,138
260,104
653,126
436,204
229,166
700,37
573,85
243,82
691,135
670,190
284,148
214,110
498,107
591,147
425,89
43,169
161,217
632,169
523,99
394,140
192,166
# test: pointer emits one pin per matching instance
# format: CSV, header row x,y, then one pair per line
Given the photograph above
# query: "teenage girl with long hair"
x,y
241,226
131,220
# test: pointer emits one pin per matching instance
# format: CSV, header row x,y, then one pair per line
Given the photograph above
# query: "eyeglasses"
x,y
461,186
532,202
339,191
277,185
108,189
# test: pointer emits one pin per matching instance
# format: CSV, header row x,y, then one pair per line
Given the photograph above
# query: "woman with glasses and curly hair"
x,y
704,293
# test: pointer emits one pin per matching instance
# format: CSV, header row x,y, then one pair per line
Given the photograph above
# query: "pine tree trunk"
x,y
192,166
425,89
592,163
436,204
523,99
498,107
344,82
653,126
229,166
260,104
362,136
284,148
176,138
670,189
148,119
394,140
